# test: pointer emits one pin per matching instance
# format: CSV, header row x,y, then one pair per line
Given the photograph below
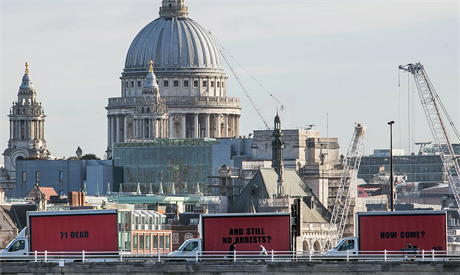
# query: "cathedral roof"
x,y
173,41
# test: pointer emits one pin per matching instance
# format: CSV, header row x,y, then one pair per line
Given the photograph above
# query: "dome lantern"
x,y
173,8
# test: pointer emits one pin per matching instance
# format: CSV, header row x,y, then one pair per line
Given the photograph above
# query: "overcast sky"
x,y
330,63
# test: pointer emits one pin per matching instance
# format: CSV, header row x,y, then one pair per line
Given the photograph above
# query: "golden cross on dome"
x,y
27,68
151,66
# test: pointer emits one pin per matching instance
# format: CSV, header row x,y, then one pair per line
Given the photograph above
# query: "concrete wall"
x,y
215,268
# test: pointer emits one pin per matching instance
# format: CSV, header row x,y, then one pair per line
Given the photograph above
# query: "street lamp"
x,y
391,167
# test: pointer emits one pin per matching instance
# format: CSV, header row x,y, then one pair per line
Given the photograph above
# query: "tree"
x,y
89,156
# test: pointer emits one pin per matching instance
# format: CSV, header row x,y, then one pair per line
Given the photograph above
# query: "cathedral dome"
x,y
174,42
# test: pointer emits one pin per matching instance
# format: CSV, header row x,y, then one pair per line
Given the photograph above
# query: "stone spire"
x,y
27,126
173,8
278,155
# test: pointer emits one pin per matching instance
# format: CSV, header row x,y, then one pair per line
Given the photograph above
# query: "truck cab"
x,y
347,244
188,250
18,246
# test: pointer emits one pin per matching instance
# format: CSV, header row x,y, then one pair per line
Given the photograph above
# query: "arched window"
x,y
142,109
148,109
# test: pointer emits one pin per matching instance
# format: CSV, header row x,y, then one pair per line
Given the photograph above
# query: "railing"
x,y
235,256
179,100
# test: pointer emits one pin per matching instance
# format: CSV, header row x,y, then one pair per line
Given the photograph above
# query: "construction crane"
x,y
431,103
347,186
226,55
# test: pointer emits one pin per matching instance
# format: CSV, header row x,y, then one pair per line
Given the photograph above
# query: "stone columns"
x,y
27,129
111,131
183,120
125,128
196,132
32,129
160,127
233,125
238,126
226,125
118,132
134,128
171,125
150,133
207,125
217,125
144,127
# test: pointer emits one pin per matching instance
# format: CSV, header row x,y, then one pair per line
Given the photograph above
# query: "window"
x,y
134,241
155,242
162,241
176,83
195,83
141,242
205,83
127,84
37,176
132,84
168,240
189,207
185,83
138,83
212,84
166,83
218,84
18,245
147,241
191,246
193,221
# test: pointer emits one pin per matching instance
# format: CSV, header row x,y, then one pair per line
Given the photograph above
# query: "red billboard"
x,y
248,232
393,232
89,232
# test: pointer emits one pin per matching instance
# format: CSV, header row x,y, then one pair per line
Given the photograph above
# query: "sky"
x,y
331,64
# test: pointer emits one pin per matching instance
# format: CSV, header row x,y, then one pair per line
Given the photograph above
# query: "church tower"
x,y
278,155
150,118
27,129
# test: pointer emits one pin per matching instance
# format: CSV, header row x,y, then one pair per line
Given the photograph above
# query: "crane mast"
x,y
431,104
347,188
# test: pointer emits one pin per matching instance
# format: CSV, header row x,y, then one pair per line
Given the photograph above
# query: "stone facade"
x,y
294,146
190,77
27,131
